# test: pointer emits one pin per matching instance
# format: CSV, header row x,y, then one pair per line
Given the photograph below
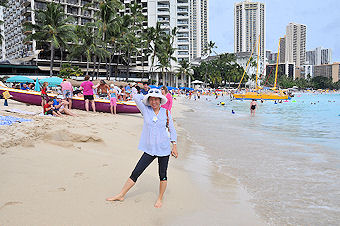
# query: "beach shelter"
x,y
37,86
171,88
20,78
52,81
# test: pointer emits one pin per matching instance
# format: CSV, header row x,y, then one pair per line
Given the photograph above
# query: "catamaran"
x,y
259,93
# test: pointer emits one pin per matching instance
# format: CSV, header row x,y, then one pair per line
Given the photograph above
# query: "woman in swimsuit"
x,y
253,106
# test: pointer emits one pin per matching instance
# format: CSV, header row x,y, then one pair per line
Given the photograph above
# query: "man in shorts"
x,y
87,88
67,89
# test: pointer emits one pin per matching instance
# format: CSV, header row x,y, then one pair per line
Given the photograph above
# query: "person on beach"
x,y
44,96
168,96
103,89
253,106
113,99
67,90
25,87
87,88
145,89
49,109
61,105
154,142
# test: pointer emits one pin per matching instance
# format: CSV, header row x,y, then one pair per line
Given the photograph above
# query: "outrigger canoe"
x,y
102,105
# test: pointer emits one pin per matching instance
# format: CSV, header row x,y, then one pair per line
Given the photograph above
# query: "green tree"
x,y
52,27
183,70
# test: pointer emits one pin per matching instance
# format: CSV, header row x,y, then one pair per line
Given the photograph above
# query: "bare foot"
x,y
116,198
158,203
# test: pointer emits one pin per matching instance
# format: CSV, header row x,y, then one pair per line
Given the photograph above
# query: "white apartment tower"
x,y
198,28
2,32
249,26
319,56
296,44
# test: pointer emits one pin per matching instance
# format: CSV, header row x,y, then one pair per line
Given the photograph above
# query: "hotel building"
x,y
249,26
189,16
295,44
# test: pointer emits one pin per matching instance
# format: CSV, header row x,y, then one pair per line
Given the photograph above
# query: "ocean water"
x,y
287,156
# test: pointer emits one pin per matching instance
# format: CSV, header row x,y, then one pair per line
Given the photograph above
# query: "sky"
x,y
322,18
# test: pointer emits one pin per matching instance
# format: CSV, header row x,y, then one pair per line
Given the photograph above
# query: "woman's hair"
x,y
165,89
87,77
45,84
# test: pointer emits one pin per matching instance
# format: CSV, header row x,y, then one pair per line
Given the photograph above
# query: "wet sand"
x,y
58,171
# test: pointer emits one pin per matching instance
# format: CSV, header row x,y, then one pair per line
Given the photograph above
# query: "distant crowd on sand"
x,y
62,103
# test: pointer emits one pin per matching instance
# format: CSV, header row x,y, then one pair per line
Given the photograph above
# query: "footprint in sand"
x,y
105,165
10,204
58,189
78,174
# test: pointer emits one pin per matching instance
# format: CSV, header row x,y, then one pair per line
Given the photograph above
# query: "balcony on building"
x,y
73,2
26,11
25,2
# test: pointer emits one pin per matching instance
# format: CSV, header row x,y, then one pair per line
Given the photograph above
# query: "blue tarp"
x,y
9,120
19,78
186,88
52,81
153,87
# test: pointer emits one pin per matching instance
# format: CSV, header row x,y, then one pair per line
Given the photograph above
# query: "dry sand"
x,y
58,171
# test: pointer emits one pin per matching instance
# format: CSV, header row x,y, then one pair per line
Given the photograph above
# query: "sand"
x,y
58,171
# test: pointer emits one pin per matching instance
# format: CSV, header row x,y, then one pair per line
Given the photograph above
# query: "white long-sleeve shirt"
x,y
154,139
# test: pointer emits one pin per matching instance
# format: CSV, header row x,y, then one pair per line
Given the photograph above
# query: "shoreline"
x,y
68,166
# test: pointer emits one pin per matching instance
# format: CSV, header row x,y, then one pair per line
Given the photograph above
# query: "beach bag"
x,y
167,129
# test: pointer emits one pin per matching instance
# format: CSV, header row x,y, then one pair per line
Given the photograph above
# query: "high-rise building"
x,y
326,56
249,26
295,43
282,56
331,71
198,28
319,56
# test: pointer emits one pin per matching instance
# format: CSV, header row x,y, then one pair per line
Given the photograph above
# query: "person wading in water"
x,y
154,142
253,106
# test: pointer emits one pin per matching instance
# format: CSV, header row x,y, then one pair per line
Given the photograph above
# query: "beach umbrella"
x,y
52,81
37,86
19,78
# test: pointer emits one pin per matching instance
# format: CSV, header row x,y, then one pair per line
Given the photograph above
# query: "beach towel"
x,y
9,120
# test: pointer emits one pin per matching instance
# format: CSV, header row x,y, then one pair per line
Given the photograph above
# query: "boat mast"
x,y
258,56
277,64
246,68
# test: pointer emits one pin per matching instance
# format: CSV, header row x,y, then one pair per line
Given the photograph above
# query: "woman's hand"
x,y
174,152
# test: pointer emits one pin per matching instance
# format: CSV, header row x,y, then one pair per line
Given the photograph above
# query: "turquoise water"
x,y
287,156
312,118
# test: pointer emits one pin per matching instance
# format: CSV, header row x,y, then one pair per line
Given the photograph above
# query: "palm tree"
x,y
183,70
3,3
108,21
52,27
131,36
86,44
209,49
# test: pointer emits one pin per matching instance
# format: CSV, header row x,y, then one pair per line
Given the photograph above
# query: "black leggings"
x,y
145,161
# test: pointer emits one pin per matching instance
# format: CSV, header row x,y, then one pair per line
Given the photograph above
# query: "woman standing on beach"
x,y
154,142
87,88
168,96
